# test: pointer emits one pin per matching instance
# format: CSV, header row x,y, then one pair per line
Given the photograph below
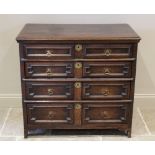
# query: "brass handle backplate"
x,y
78,47
104,114
49,71
77,106
50,114
49,53
105,92
78,65
77,85
50,91
107,52
106,71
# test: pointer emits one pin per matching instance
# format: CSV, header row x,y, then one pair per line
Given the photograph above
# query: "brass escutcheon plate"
x,y
78,47
77,85
78,65
77,106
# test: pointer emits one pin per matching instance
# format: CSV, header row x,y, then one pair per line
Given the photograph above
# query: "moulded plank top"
x,y
77,32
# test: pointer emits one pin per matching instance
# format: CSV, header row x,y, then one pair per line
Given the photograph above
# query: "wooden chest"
x,y
78,76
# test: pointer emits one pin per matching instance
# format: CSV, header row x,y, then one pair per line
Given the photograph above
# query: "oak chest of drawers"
x,y
78,76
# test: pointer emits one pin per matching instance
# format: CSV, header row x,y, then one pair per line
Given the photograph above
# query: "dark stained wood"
x,y
78,101
77,32
105,113
50,113
77,114
49,90
78,69
108,51
76,59
107,69
78,76
106,90
79,79
49,69
52,51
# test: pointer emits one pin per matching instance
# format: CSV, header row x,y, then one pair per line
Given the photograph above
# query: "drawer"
x,y
107,69
106,90
48,69
49,90
105,113
50,113
53,51
104,51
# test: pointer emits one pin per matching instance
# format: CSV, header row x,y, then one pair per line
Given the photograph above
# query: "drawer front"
x,y
48,51
101,51
106,90
107,69
48,69
49,90
105,113
50,113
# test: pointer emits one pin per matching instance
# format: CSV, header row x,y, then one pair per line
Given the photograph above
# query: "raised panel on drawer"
x,y
106,90
50,113
49,90
102,51
107,69
48,69
105,113
51,51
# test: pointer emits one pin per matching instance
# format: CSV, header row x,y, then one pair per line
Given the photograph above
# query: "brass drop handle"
x,y
107,52
106,71
49,71
77,106
77,85
106,92
49,53
50,114
78,65
104,114
78,47
50,92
